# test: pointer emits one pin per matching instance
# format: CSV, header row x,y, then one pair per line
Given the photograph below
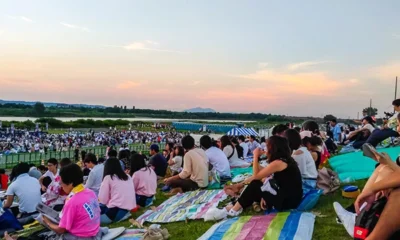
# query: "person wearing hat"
x,y
158,161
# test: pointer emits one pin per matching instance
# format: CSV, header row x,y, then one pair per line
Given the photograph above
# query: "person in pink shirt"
x,y
144,180
117,193
80,217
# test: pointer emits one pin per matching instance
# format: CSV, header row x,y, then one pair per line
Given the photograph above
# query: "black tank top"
x,y
318,161
290,184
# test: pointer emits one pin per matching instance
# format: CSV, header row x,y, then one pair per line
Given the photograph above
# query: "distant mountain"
x,y
200,110
52,104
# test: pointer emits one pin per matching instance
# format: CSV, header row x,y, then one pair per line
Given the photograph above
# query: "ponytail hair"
x,y
314,141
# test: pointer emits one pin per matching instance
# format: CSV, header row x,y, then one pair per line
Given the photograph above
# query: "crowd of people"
x,y
367,131
23,141
110,187
107,189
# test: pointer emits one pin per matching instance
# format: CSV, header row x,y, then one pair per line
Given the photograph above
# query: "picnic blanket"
x,y
280,226
354,166
189,205
237,171
132,234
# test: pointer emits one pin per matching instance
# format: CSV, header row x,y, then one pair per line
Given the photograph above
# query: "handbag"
x,y
327,180
8,220
367,219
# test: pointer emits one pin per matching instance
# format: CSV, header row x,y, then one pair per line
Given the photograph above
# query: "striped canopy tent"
x,y
242,131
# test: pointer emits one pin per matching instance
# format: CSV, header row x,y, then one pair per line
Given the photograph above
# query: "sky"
x,y
297,58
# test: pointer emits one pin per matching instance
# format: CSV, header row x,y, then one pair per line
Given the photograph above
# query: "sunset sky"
x,y
282,57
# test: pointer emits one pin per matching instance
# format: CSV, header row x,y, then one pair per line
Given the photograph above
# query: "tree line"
x,y
39,110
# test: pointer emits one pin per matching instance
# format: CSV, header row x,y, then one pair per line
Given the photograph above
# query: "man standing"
x,y
336,131
158,161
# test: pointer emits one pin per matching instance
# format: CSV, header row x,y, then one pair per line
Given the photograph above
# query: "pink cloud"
x,y
128,85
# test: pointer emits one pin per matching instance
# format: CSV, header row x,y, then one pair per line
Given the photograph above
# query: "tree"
x,y
329,117
39,108
371,111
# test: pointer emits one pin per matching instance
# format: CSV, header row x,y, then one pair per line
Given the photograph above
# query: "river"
x,y
141,119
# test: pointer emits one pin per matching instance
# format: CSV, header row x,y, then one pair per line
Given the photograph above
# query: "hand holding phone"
x,y
370,151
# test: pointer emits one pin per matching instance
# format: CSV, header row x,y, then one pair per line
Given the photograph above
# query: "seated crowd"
x,y
122,184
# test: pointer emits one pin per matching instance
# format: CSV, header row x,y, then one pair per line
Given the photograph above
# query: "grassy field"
x,y
325,225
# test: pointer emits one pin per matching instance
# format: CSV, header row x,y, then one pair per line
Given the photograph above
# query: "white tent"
x,y
242,131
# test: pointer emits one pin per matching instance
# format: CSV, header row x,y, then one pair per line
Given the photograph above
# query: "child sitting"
x,y
80,217
144,180
117,193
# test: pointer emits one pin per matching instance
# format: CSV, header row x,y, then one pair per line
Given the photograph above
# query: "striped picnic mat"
x,y
189,205
280,226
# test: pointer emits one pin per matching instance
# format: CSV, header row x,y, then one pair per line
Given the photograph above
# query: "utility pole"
x,y
370,107
395,93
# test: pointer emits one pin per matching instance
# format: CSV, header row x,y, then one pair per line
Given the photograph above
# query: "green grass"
x,y
325,225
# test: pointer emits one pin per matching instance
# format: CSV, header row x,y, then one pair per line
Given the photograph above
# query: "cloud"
x,y
304,83
195,83
300,65
262,64
23,18
128,85
354,81
396,35
146,45
386,72
84,29
152,42
26,19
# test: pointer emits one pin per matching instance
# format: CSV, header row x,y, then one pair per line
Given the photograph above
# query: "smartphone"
x,y
370,151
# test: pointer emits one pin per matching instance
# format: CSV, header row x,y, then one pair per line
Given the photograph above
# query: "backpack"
x,y
239,150
367,219
327,180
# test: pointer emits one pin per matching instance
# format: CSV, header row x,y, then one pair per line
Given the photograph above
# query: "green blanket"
x,y
354,166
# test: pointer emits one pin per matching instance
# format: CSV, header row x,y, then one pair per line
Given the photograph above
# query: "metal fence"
x,y
37,158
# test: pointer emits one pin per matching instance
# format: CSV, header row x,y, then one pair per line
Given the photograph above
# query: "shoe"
x,y
238,178
166,188
215,214
348,219
113,233
234,213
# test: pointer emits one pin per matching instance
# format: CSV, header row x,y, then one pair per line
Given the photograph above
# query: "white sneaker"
x,y
347,218
234,213
215,214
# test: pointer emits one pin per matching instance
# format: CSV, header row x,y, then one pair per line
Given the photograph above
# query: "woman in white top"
x,y
303,158
360,136
176,160
368,124
232,154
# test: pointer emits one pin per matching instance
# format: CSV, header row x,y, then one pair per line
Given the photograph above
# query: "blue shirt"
x,y
336,131
27,189
159,163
